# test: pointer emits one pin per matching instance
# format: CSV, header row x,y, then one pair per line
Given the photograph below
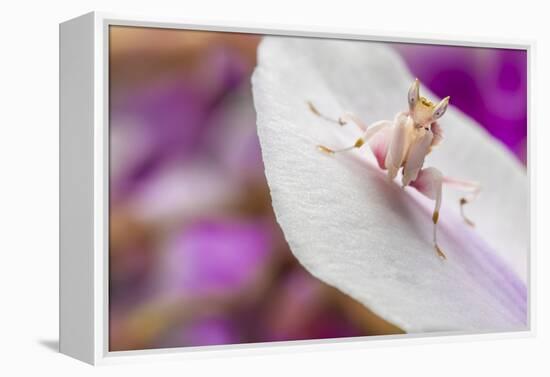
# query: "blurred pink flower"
x,y
205,331
217,256
169,119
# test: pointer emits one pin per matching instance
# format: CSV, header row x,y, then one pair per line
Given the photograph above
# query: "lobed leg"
x,y
429,183
472,189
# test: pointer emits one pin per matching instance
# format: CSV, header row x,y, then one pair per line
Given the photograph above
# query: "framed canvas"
x,y
246,189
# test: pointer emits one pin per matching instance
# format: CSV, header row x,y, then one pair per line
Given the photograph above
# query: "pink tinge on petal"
x,y
487,267
379,146
427,182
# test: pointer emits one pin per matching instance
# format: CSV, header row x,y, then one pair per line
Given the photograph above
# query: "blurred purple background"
x,y
196,256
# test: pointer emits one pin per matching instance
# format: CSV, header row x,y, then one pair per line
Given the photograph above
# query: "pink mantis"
x,y
403,144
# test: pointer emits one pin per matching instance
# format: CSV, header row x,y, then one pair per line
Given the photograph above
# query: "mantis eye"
x,y
413,94
440,108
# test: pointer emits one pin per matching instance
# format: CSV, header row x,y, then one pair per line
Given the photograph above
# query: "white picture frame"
x,y
84,183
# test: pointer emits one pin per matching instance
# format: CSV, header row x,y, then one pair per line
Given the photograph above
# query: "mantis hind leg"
x,y
471,189
430,183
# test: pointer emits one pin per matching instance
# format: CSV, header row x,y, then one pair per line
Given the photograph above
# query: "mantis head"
x,y
423,111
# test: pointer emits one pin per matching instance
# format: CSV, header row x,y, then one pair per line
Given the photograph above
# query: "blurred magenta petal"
x,y
183,191
299,311
204,331
173,116
217,256
209,331
232,138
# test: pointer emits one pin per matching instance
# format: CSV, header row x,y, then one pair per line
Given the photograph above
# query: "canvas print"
x,y
268,188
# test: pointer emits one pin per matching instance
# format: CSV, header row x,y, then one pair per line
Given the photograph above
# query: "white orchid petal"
x,y
352,228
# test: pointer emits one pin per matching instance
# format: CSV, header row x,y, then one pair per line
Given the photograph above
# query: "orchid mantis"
x,y
403,144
